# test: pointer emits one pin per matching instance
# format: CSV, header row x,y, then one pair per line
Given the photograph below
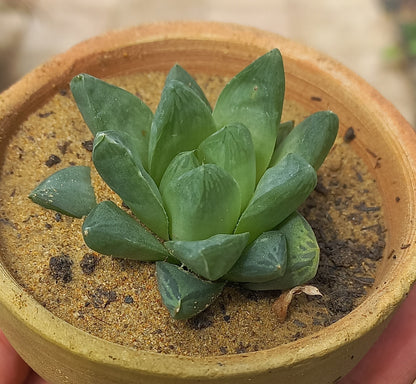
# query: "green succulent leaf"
x,y
201,203
183,293
107,107
254,97
312,139
302,255
279,193
232,149
210,258
111,231
182,120
180,74
68,191
263,260
181,163
283,130
119,165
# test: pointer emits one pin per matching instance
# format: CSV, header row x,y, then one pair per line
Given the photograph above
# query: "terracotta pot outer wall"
x,y
63,354
64,365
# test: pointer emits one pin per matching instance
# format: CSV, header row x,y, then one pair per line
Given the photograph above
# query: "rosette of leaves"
x,y
212,195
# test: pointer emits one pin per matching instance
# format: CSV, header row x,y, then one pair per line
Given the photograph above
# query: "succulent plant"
x,y
212,195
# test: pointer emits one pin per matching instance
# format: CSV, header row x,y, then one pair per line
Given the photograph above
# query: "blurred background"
x,y
375,38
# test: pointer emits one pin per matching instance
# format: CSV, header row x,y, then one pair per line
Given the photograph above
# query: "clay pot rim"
x,y
24,95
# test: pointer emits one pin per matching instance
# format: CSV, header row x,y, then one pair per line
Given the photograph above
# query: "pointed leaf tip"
x,y
182,120
312,139
232,149
111,231
254,97
281,190
210,258
180,74
68,191
180,164
201,203
184,294
302,255
263,260
104,106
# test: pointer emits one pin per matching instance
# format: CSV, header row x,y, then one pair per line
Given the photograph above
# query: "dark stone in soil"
x,y
102,297
241,348
46,114
89,263
364,208
316,98
299,323
61,268
320,188
88,145
63,148
53,160
349,135
223,350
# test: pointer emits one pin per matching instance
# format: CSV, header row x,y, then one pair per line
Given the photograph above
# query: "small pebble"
x,y
53,160
89,263
61,268
88,145
349,135
334,164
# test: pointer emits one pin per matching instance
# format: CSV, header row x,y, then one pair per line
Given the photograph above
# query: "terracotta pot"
x,y
63,354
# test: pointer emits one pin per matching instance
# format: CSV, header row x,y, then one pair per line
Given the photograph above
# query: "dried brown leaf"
x,y
281,305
